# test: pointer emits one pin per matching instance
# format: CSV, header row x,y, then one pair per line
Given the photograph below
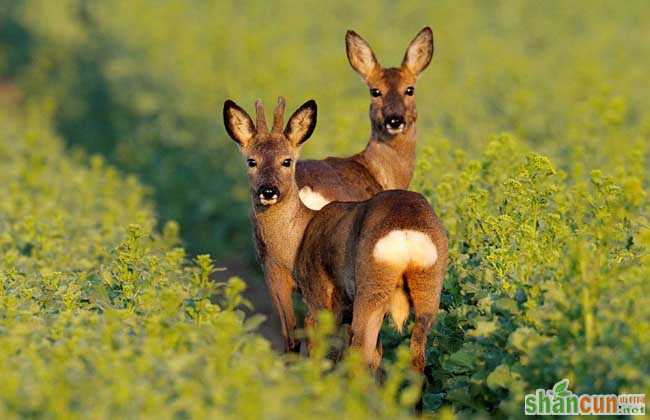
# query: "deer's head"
x,y
392,106
270,156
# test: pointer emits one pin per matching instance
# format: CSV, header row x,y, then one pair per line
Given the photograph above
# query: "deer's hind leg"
x,y
375,286
425,286
366,324
319,293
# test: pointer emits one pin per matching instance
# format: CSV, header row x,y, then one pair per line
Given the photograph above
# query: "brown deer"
x,y
367,258
388,160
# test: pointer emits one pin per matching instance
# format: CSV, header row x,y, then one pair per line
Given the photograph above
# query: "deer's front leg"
x,y
281,285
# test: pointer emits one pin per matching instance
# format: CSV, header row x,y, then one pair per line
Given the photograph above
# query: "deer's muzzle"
x,y
268,194
394,124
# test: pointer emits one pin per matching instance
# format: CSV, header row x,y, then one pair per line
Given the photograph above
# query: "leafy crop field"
x,y
533,147
101,316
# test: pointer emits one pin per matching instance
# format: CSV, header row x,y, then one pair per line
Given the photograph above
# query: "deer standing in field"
x,y
369,258
388,160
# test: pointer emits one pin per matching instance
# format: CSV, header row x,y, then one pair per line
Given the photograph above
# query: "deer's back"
x,y
342,236
335,179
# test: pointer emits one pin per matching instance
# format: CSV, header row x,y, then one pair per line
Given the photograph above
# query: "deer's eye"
x,y
375,92
286,162
251,163
410,91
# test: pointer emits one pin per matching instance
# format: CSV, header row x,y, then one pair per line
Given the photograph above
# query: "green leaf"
x,y
500,377
483,329
460,361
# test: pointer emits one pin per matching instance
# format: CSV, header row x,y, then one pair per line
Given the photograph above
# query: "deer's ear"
x,y
419,52
360,55
302,123
237,122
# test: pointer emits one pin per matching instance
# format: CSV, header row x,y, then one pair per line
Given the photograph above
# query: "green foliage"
x,y
550,237
101,316
143,82
547,278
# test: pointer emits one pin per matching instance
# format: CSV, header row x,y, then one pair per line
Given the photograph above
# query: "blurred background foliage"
x,y
143,82
548,224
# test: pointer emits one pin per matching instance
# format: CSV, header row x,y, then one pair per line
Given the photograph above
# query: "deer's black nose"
x,y
394,121
268,192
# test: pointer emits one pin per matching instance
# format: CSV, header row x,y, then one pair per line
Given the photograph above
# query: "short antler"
x,y
261,119
278,115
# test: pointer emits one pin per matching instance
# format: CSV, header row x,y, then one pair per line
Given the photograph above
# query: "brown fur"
x,y
330,252
388,160
278,228
336,271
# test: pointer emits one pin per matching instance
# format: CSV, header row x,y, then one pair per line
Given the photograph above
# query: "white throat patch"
x,y
402,247
312,199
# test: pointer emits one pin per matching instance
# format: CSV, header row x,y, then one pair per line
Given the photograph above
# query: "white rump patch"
x,y
312,199
401,247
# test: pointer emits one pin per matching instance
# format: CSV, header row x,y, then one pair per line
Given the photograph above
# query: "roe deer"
x,y
370,258
388,160
278,223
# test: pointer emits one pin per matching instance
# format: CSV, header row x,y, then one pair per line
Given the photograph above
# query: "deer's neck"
x,y
280,228
391,162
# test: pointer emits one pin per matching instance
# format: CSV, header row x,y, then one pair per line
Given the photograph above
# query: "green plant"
x,y
128,83
547,279
102,316
548,225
